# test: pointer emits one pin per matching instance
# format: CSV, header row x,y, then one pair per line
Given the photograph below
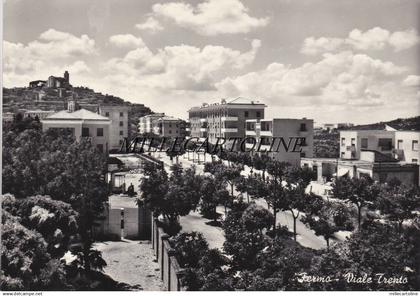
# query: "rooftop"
x,y
169,118
380,157
81,114
224,102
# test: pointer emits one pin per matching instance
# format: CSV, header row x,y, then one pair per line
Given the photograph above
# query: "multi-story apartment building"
x,y
376,165
188,128
380,154
223,120
267,134
83,124
407,147
148,122
119,124
168,126
353,141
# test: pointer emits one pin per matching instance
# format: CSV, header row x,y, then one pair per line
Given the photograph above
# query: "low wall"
x,y
170,270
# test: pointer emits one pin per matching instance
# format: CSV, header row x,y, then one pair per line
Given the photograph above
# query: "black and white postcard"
x,y
210,145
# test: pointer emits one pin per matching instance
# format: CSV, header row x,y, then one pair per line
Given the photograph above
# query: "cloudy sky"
x,y
331,60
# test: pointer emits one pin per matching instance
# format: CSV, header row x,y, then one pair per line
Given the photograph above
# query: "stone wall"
x,y
170,270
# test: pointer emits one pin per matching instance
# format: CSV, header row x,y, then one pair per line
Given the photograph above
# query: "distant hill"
x,y
45,98
409,124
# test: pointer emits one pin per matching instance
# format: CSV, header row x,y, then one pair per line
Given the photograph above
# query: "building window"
x,y
121,133
364,143
170,131
353,142
100,147
414,160
100,132
342,154
415,145
121,123
121,141
85,132
107,114
343,141
303,127
170,125
385,144
121,114
258,114
302,154
246,113
399,144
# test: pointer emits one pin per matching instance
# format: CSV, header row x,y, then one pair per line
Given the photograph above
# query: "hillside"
x,y
44,98
411,124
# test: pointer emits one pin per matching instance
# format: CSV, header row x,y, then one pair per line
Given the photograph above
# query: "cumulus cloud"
x,y
404,39
373,39
126,41
337,79
412,81
78,67
151,25
57,44
211,17
181,67
313,46
50,53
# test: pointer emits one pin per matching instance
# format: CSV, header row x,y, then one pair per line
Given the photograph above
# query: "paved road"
x,y
131,262
306,237
195,222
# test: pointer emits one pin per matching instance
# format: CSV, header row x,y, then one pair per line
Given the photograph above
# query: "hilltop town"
x,y
43,97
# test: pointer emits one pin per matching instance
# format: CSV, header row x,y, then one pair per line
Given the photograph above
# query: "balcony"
x,y
229,130
203,119
398,154
203,129
264,147
229,118
250,145
250,133
266,133
386,148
